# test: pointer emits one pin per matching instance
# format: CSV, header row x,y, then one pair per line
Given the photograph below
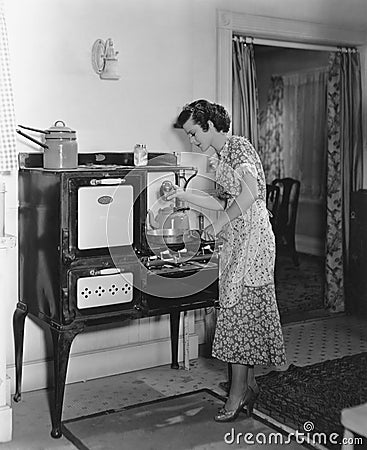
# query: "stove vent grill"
x,y
104,290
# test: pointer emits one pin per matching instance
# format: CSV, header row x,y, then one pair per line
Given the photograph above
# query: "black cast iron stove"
x,y
84,259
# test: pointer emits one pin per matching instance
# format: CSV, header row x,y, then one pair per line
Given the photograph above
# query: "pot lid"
x,y
60,130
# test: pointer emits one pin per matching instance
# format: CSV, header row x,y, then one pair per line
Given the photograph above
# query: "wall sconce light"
x,y
104,59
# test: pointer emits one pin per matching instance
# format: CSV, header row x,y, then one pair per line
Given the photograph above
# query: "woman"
x,y
248,329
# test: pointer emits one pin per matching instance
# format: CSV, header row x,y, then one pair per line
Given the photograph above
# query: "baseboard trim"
x,y
108,362
6,423
310,245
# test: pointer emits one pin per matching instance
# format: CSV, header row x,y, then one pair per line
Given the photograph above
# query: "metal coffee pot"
x,y
170,218
171,223
60,146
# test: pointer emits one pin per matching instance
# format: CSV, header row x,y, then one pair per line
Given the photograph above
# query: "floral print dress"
x,y
248,329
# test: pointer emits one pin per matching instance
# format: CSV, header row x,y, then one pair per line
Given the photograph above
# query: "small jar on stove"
x,y
140,155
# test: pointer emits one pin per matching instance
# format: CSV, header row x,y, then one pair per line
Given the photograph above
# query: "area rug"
x,y
299,288
311,398
179,422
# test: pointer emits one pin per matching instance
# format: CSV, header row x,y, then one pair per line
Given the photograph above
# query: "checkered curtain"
x,y
8,151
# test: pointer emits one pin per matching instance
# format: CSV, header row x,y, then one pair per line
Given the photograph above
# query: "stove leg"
x,y
174,326
18,329
62,341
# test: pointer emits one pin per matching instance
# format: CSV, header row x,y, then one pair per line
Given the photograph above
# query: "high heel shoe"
x,y
250,399
229,416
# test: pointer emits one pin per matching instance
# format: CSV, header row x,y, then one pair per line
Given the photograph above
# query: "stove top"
x,y
183,258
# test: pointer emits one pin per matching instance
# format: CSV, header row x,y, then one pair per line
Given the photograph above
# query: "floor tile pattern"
x,y
306,343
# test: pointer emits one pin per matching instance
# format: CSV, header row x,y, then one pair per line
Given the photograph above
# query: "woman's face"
x,y
197,136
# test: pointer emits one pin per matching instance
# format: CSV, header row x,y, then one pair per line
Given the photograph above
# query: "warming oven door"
x,y
97,290
104,213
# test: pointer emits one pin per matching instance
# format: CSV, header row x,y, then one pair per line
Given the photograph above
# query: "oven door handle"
x,y
107,181
112,271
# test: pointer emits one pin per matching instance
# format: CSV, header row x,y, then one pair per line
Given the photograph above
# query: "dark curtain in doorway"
x,y
244,92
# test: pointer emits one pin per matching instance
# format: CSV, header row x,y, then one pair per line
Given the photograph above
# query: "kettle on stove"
x,y
171,223
60,146
170,217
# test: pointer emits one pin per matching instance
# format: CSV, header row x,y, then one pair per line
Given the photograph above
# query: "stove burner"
x,y
182,258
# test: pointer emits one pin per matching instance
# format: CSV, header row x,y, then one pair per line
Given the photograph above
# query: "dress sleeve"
x,y
244,159
245,168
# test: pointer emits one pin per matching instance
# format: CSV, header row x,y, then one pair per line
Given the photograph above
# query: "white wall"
x,y
53,76
167,58
53,79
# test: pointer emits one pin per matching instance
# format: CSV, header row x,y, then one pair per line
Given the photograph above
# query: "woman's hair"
x,y
201,111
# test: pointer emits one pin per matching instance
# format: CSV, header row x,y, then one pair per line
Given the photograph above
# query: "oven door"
x,y
103,214
97,290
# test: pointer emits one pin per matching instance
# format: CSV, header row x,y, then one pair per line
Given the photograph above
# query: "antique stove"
x,y
85,257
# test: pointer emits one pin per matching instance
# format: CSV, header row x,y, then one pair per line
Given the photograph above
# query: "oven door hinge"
x,y
67,254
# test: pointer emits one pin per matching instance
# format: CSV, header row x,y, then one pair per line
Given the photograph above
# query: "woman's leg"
x,y
243,393
226,385
252,391
251,380
229,375
238,385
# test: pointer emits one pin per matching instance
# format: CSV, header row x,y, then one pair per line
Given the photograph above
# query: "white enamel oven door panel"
x,y
95,290
103,214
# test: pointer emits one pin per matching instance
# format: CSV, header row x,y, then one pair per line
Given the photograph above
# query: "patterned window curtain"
x,y
344,161
244,92
305,129
8,152
271,125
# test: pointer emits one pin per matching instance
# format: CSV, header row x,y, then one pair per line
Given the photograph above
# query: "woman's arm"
x,y
198,198
239,206
242,202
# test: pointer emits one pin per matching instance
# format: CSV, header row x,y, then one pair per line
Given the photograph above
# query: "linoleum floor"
x,y
306,342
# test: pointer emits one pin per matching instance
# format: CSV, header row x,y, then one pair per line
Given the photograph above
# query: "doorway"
x,y
300,290
308,36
